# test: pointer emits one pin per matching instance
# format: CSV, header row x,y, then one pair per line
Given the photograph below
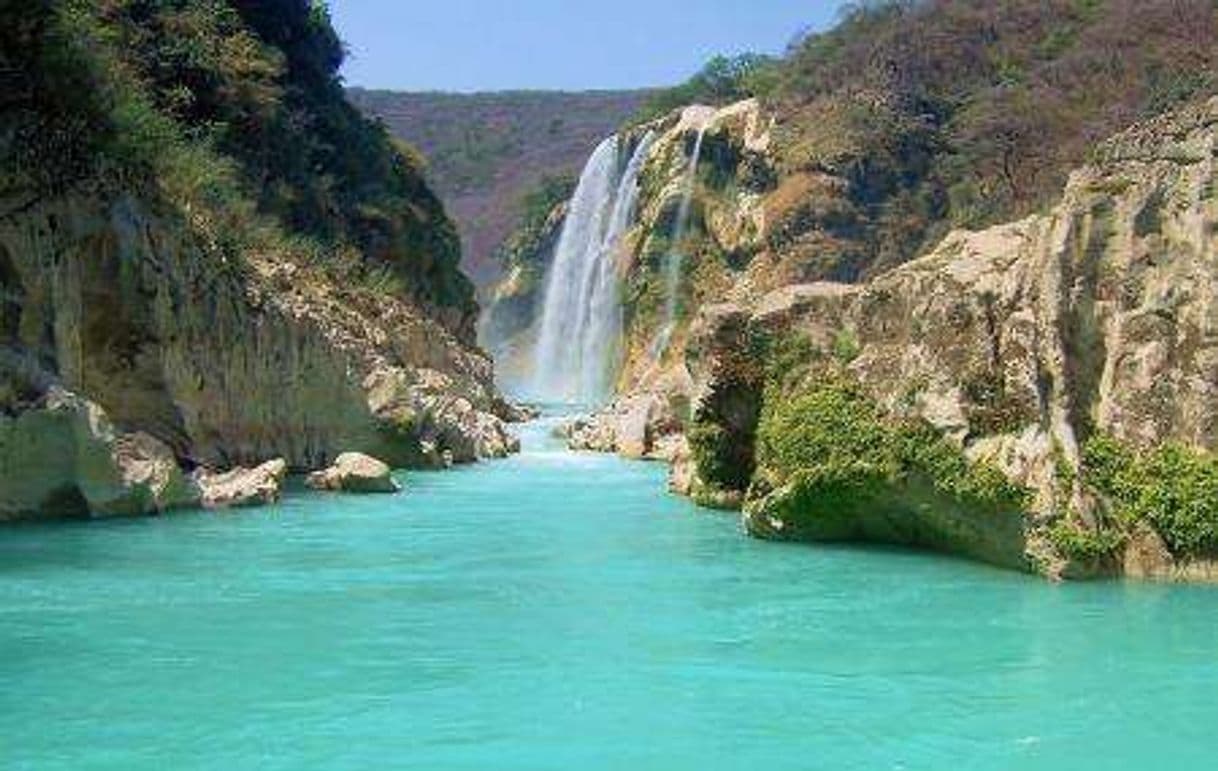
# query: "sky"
x,y
489,45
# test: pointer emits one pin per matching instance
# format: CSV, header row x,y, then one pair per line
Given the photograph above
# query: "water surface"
x,y
560,611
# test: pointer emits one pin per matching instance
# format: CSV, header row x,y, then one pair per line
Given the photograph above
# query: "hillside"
x,y
486,152
210,262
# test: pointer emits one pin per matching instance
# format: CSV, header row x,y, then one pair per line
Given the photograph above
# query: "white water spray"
x,y
676,257
581,322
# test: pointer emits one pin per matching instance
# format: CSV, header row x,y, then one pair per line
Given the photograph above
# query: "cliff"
x,y
194,278
1036,394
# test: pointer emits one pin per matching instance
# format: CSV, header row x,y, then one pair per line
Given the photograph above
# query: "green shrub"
x,y
1173,488
1077,543
991,407
718,460
721,81
831,430
845,346
231,114
976,112
786,356
524,246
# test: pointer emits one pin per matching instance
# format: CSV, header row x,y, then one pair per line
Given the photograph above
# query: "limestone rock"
x,y
637,426
433,418
1147,556
682,471
242,487
1014,341
62,457
151,477
355,472
224,363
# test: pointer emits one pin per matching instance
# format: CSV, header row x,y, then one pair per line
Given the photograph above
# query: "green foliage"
x,y
992,408
974,113
524,253
230,112
719,462
524,245
1064,474
722,80
846,346
1172,487
1083,545
787,358
834,433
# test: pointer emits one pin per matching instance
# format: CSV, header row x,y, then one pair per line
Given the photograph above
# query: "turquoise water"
x,y
559,611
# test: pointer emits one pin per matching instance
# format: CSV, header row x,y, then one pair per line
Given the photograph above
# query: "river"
x,y
561,611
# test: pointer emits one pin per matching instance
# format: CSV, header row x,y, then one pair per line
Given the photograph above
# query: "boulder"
x,y
62,457
434,419
637,426
242,487
354,472
632,428
590,433
148,479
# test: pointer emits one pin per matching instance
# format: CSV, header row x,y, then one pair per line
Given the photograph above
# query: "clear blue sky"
x,y
477,45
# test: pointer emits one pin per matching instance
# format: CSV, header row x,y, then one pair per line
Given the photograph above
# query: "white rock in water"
x,y
355,472
243,486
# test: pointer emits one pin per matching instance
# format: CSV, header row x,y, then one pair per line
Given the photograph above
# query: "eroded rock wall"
x,y
1015,343
1018,341
226,361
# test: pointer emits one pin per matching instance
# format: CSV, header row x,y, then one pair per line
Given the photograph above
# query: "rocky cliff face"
x,y
1027,349
225,363
208,261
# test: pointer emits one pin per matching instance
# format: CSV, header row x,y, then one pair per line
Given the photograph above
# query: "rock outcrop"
x,y
1019,341
1015,344
241,487
508,327
354,472
638,426
229,366
63,454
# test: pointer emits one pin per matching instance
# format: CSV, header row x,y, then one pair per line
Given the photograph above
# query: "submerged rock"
x,y
355,472
241,487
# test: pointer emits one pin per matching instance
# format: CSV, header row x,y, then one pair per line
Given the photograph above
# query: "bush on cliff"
x,y
721,81
837,442
929,115
524,247
1172,487
946,113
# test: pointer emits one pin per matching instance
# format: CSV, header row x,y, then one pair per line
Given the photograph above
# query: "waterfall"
x,y
672,267
581,320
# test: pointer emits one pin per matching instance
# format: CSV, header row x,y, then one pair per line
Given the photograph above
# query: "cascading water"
x,y
581,321
676,257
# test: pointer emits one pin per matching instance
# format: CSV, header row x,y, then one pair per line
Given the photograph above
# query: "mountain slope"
x,y
209,259
486,152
